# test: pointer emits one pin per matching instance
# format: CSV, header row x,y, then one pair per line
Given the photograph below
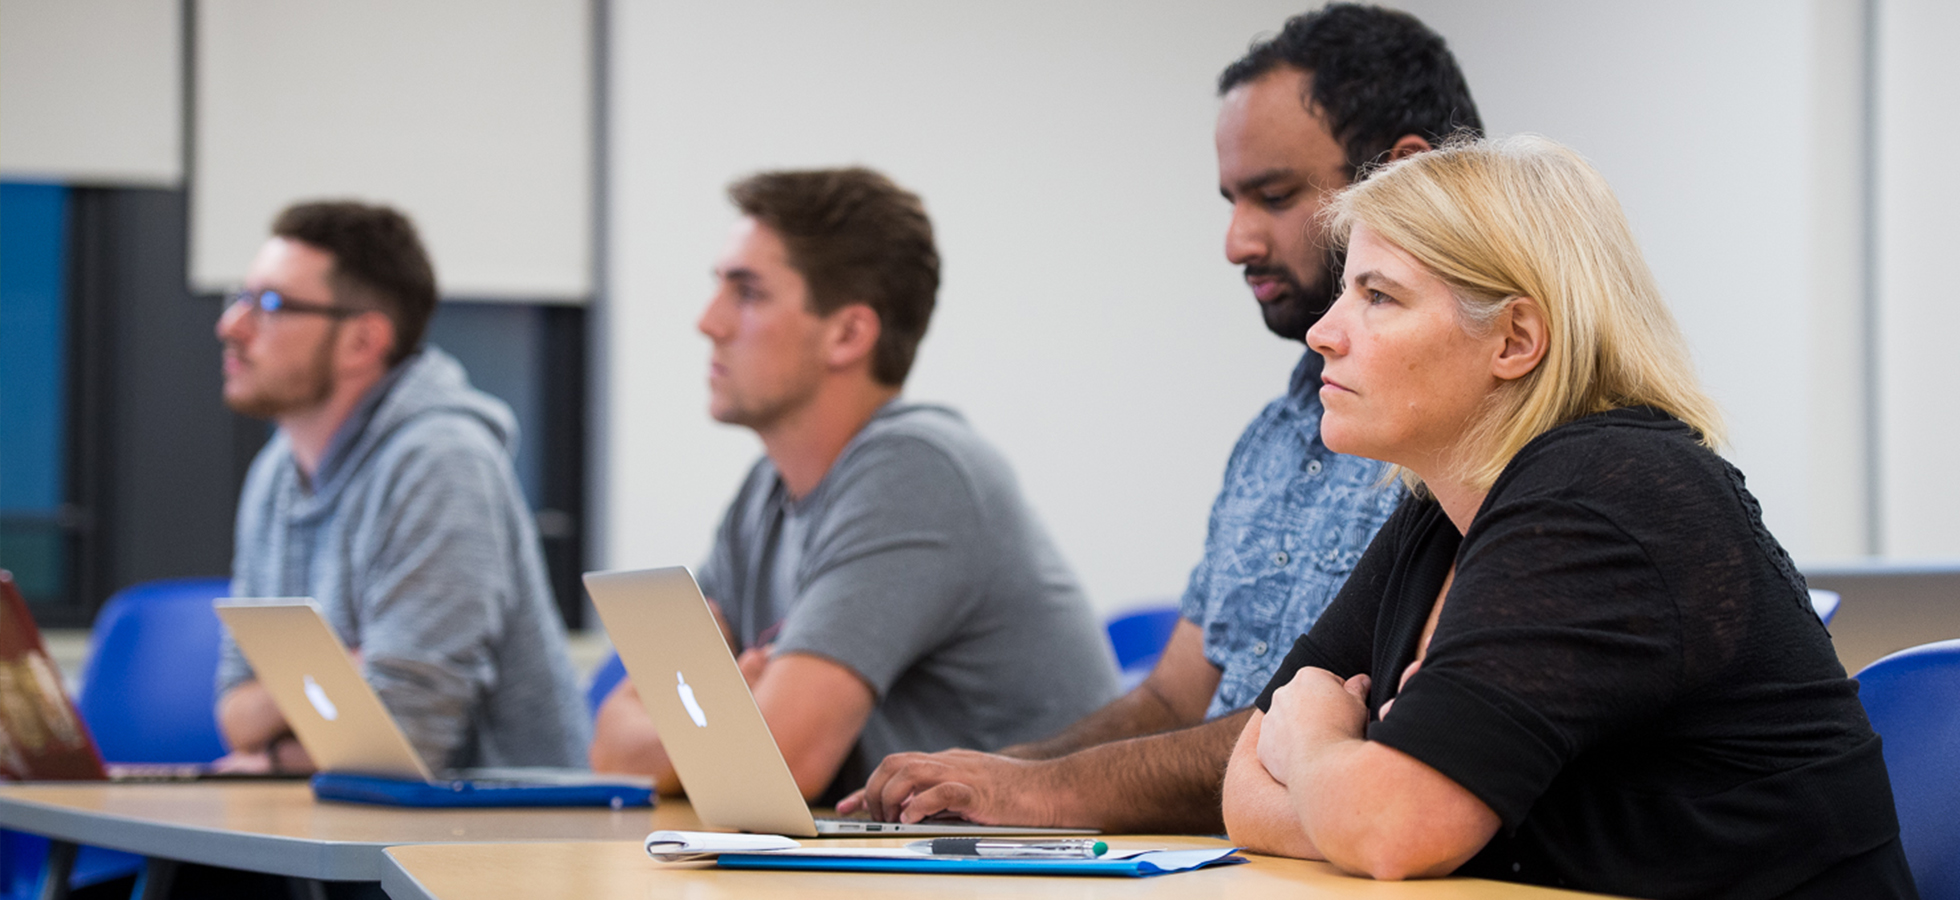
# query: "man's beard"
x,y
314,386
1299,306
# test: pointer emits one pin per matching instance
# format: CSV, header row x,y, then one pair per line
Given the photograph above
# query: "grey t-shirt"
x,y
916,564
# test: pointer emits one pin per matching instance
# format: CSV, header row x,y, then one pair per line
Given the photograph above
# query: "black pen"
x,y
1010,849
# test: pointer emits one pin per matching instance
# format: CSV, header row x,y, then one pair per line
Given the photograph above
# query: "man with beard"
x,y
1302,114
387,495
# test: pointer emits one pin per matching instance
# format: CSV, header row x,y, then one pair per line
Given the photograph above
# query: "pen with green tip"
x,y
1009,849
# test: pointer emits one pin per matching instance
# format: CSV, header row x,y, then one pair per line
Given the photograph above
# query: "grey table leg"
x,y
54,875
153,883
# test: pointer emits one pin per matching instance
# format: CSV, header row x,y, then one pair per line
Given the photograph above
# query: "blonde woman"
x,y
1575,656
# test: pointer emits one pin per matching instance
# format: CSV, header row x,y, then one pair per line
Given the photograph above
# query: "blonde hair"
x,y
1500,219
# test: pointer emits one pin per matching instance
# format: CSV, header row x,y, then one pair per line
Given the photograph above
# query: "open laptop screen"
x,y
41,735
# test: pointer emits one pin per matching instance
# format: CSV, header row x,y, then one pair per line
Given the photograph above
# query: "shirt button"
x,y
1280,558
1313,467
1259,648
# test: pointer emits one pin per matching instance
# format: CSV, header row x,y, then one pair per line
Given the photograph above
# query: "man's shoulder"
x,y
439,450
431,410
914,464
442,432
931,423
920,435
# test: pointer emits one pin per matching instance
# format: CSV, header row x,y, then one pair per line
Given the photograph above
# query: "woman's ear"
x,y
1526,335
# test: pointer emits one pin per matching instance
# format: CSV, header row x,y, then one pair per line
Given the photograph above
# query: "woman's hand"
x,y
1312,710
1399,685
1259,815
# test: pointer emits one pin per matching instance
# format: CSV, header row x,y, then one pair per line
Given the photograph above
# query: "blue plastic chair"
x,y
1825,603
609,675
1139,638
23,861
1913,699
148,691
147,695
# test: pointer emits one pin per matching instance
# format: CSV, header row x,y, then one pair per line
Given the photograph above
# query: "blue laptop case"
x,y
385,791
1142,865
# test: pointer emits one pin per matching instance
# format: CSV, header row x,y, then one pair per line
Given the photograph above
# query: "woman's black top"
x,y
1627,671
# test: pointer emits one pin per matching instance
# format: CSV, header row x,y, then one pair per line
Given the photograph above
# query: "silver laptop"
x,y
708,722
333,711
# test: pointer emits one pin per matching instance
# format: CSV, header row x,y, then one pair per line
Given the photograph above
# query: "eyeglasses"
x,y
273,302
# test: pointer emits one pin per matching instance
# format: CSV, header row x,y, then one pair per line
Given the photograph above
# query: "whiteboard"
x,y
475,118
91,92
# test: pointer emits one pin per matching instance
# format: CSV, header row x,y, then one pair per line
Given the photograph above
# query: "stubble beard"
x,y
760,414
1301,305
309,388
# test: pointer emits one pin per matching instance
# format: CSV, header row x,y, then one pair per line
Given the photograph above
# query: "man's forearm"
x,y
247,717
1135,714
1168,783
624,741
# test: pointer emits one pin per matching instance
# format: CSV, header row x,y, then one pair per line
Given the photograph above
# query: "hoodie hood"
x,y
428,383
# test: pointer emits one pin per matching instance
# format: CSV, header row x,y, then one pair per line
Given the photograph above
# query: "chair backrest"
x,y
148,690
1913,699
604,679
1139,637
1825,603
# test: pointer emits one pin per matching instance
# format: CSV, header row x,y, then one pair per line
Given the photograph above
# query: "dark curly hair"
x,y
855,237
1378,74
377,261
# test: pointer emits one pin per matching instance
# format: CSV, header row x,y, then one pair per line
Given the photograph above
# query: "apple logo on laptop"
x,y
318,697
687,699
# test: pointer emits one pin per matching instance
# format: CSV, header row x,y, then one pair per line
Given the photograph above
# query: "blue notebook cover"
x,y
411,792
1140,866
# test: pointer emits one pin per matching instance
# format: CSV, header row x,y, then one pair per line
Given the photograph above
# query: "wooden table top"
x,y
622,869
573,853
278,827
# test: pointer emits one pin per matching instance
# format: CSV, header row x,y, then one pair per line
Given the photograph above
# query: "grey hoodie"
x,y
415,540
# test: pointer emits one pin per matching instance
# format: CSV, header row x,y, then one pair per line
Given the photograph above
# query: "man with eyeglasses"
x,y
387,495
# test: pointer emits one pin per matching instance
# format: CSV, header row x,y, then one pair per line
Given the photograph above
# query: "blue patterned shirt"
x,y
1290,522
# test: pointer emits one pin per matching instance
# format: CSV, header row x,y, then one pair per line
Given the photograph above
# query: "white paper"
x,y
683,846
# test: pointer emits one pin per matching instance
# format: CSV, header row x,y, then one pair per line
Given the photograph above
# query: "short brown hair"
x,y
855,237
376,256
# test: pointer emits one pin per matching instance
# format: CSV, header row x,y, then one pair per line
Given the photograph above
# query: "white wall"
x,y
90,91
473,116
1089,324
1723,144
1919,304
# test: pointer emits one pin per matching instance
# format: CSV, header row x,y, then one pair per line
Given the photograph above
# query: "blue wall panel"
x,y
33,346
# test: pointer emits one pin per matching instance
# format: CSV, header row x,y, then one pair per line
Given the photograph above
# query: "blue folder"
x,y
1140,866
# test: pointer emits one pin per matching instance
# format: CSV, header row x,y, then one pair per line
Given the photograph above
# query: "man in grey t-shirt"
x,y
878,573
